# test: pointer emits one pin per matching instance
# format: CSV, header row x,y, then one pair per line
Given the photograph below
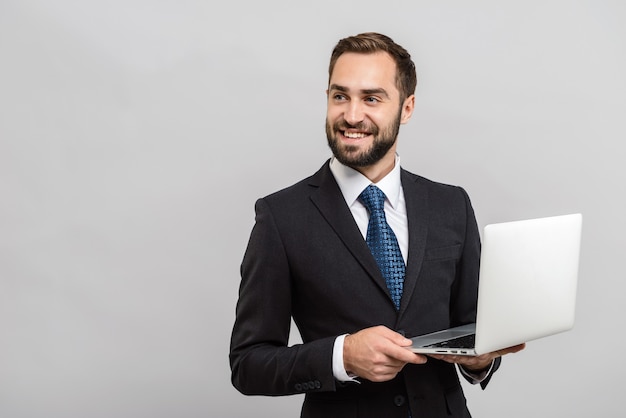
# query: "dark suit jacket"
x,y
306,258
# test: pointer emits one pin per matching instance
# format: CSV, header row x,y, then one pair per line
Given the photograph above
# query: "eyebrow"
x,y
380,91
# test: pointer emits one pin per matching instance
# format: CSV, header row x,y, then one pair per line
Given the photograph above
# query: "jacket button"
x,y
399,400
298,387
317,384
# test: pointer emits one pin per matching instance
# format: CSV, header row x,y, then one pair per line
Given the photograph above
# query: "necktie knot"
x,y
373,198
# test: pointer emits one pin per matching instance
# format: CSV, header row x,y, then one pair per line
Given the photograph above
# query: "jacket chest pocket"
x,y
443,253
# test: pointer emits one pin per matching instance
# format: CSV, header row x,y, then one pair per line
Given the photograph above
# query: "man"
x,y
313,256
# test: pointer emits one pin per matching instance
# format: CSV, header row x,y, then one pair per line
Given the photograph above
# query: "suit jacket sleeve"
x,y
471,251
261,361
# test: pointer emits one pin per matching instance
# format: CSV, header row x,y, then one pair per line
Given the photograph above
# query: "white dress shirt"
x,y
352,183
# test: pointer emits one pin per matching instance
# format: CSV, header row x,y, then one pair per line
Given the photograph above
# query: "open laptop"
x,y
527,287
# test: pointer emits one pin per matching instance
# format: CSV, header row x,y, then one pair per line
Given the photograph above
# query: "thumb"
x,y
400,340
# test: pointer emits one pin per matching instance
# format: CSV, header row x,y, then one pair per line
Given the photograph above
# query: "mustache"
x,y
361,126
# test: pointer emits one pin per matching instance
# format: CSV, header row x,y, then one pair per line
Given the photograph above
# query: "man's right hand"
x,y
378,354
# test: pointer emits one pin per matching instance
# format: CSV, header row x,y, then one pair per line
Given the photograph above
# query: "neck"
x,y
376,172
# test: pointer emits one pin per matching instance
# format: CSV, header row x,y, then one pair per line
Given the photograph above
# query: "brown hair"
x,y
371,42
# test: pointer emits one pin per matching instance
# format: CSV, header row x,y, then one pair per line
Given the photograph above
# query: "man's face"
x,y
364,110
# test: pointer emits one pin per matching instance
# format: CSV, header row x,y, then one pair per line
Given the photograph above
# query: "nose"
x,y
354,113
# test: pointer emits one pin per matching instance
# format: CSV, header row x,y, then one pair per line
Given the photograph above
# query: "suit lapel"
x,y
416,197
332,205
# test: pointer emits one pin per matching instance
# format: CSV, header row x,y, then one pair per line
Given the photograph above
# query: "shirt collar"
x,y
352,183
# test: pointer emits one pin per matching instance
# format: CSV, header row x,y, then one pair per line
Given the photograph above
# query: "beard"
x,y
350,155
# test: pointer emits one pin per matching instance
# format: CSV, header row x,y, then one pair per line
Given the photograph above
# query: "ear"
x,y
407,109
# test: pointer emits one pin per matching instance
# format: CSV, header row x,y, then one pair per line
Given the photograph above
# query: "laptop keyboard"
x,y
466,341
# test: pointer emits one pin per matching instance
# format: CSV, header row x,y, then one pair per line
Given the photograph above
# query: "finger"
x,y
383,370
391,349
510,350
443,357
462,360
396,349
394,336
517,348
415,358
406,356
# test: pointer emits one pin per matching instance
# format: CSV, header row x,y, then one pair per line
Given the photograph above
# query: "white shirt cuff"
x,y
477,377
339,370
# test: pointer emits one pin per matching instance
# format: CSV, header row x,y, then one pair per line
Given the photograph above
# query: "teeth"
x,y
354,135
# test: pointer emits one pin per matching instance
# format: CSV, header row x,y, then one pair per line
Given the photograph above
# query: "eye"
x,y
339,97
371,100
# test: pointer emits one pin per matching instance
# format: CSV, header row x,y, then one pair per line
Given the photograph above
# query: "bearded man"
x,y
361,255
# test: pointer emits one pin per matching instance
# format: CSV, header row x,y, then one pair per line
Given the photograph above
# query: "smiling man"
x,y
361,255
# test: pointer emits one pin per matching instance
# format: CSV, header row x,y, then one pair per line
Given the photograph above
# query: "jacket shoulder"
x,y
409,178
301,188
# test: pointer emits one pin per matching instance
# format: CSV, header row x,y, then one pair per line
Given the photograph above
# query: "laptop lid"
x,y
528,280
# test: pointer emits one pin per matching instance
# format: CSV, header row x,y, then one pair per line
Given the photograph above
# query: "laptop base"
x,y
442,342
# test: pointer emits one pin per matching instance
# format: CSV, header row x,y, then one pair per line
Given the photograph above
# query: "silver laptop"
x,y
526,290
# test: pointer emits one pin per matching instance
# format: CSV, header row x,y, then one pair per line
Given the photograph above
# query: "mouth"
x,y
354,135
350,134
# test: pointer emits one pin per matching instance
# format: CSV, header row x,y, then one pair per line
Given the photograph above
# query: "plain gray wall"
x,y
136,135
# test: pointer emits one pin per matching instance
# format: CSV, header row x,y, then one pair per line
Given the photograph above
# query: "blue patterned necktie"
x,y
383,243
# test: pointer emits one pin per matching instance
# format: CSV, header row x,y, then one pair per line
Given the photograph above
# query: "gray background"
x,y
136,135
